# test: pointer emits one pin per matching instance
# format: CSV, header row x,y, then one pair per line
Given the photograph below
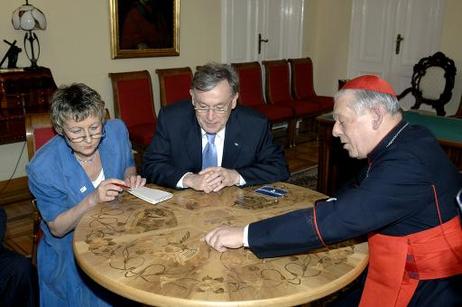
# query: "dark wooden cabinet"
x,y
22,91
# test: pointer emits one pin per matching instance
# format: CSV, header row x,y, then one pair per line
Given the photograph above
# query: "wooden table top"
x,y
154,254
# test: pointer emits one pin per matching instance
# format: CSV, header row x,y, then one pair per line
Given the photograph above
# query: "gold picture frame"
x,y
144,28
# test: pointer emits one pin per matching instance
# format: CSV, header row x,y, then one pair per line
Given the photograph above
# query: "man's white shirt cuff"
x,y
245,239
179,184
241,180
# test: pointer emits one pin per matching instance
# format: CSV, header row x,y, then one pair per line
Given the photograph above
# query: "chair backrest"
x,y
432,82
251,86
38,131
133,98
174,84
301,71
106,114
277,81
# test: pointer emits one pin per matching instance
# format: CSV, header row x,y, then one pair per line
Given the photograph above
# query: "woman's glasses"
x,y
97,133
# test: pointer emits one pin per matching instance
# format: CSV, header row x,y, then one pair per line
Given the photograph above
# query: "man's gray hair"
x,y
369,100
208,76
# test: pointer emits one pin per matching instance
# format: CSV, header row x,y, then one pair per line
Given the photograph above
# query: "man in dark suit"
x,y
18,277
210,142
405,201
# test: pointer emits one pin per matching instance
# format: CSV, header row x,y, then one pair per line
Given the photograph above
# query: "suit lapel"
x,y
232,145
194,143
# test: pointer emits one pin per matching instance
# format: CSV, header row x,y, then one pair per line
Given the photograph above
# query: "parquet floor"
x,y
20,217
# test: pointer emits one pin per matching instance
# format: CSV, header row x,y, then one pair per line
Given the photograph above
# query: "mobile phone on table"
x,y
269,190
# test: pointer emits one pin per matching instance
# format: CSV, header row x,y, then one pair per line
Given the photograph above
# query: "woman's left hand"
x,y
135,181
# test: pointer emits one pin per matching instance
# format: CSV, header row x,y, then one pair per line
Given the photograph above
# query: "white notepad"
x,y
152,196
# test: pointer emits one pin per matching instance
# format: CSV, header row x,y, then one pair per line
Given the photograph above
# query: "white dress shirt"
x,y
219,145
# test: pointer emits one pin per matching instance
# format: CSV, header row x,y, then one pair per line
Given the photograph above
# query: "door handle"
x,y
399,38
261,40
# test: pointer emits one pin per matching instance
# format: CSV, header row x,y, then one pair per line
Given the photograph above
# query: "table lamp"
x,y
28,18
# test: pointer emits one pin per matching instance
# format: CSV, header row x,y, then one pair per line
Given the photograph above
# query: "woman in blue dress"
x,y
77,169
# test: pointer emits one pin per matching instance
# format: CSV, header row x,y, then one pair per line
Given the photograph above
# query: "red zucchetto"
x,y
370,83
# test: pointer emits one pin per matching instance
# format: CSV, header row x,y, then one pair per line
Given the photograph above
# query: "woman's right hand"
x,y
108,190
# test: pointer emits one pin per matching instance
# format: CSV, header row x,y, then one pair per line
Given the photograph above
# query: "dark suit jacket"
x,y
3,221
177,147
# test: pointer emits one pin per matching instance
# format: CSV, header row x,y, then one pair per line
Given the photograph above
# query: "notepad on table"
x,y
150,195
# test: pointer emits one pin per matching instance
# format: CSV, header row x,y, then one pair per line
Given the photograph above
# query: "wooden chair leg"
x,y
36,232
291,130
138,152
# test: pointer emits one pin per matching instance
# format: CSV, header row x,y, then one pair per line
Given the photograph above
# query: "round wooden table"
x,y
154,254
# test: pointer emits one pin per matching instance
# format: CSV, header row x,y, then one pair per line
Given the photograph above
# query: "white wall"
x,y
326,39
451,45
76,47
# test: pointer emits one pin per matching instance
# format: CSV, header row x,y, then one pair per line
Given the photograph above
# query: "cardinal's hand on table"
x,y
224,237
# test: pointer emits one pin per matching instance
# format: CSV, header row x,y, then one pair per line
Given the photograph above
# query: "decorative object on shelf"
x,y
22,91
11,54
29,18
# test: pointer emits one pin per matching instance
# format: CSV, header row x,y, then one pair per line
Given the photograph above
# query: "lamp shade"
x,y
27,17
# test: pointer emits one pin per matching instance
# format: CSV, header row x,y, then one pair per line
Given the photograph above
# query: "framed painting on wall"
x,y
144,28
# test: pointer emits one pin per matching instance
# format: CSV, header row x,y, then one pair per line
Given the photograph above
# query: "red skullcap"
x,y
370,83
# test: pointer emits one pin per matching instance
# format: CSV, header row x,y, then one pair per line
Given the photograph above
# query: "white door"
x,y
388,37
255,30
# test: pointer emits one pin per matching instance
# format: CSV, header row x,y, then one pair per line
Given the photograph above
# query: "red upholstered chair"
x,y
278,90
174,84
134,104
38,131
251,95
302,84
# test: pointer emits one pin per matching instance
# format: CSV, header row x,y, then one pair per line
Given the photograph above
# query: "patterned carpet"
x,y
307,178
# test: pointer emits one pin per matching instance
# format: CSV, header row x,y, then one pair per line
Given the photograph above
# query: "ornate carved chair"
x,y
302,84
432,82
174,84
134,104
251,95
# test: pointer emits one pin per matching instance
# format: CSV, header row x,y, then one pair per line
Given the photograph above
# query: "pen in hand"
x,y
123,186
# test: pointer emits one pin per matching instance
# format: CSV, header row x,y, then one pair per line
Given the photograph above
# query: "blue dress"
x,y
58,182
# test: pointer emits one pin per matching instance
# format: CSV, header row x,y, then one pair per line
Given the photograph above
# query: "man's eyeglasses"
x,y
94,136
220,109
